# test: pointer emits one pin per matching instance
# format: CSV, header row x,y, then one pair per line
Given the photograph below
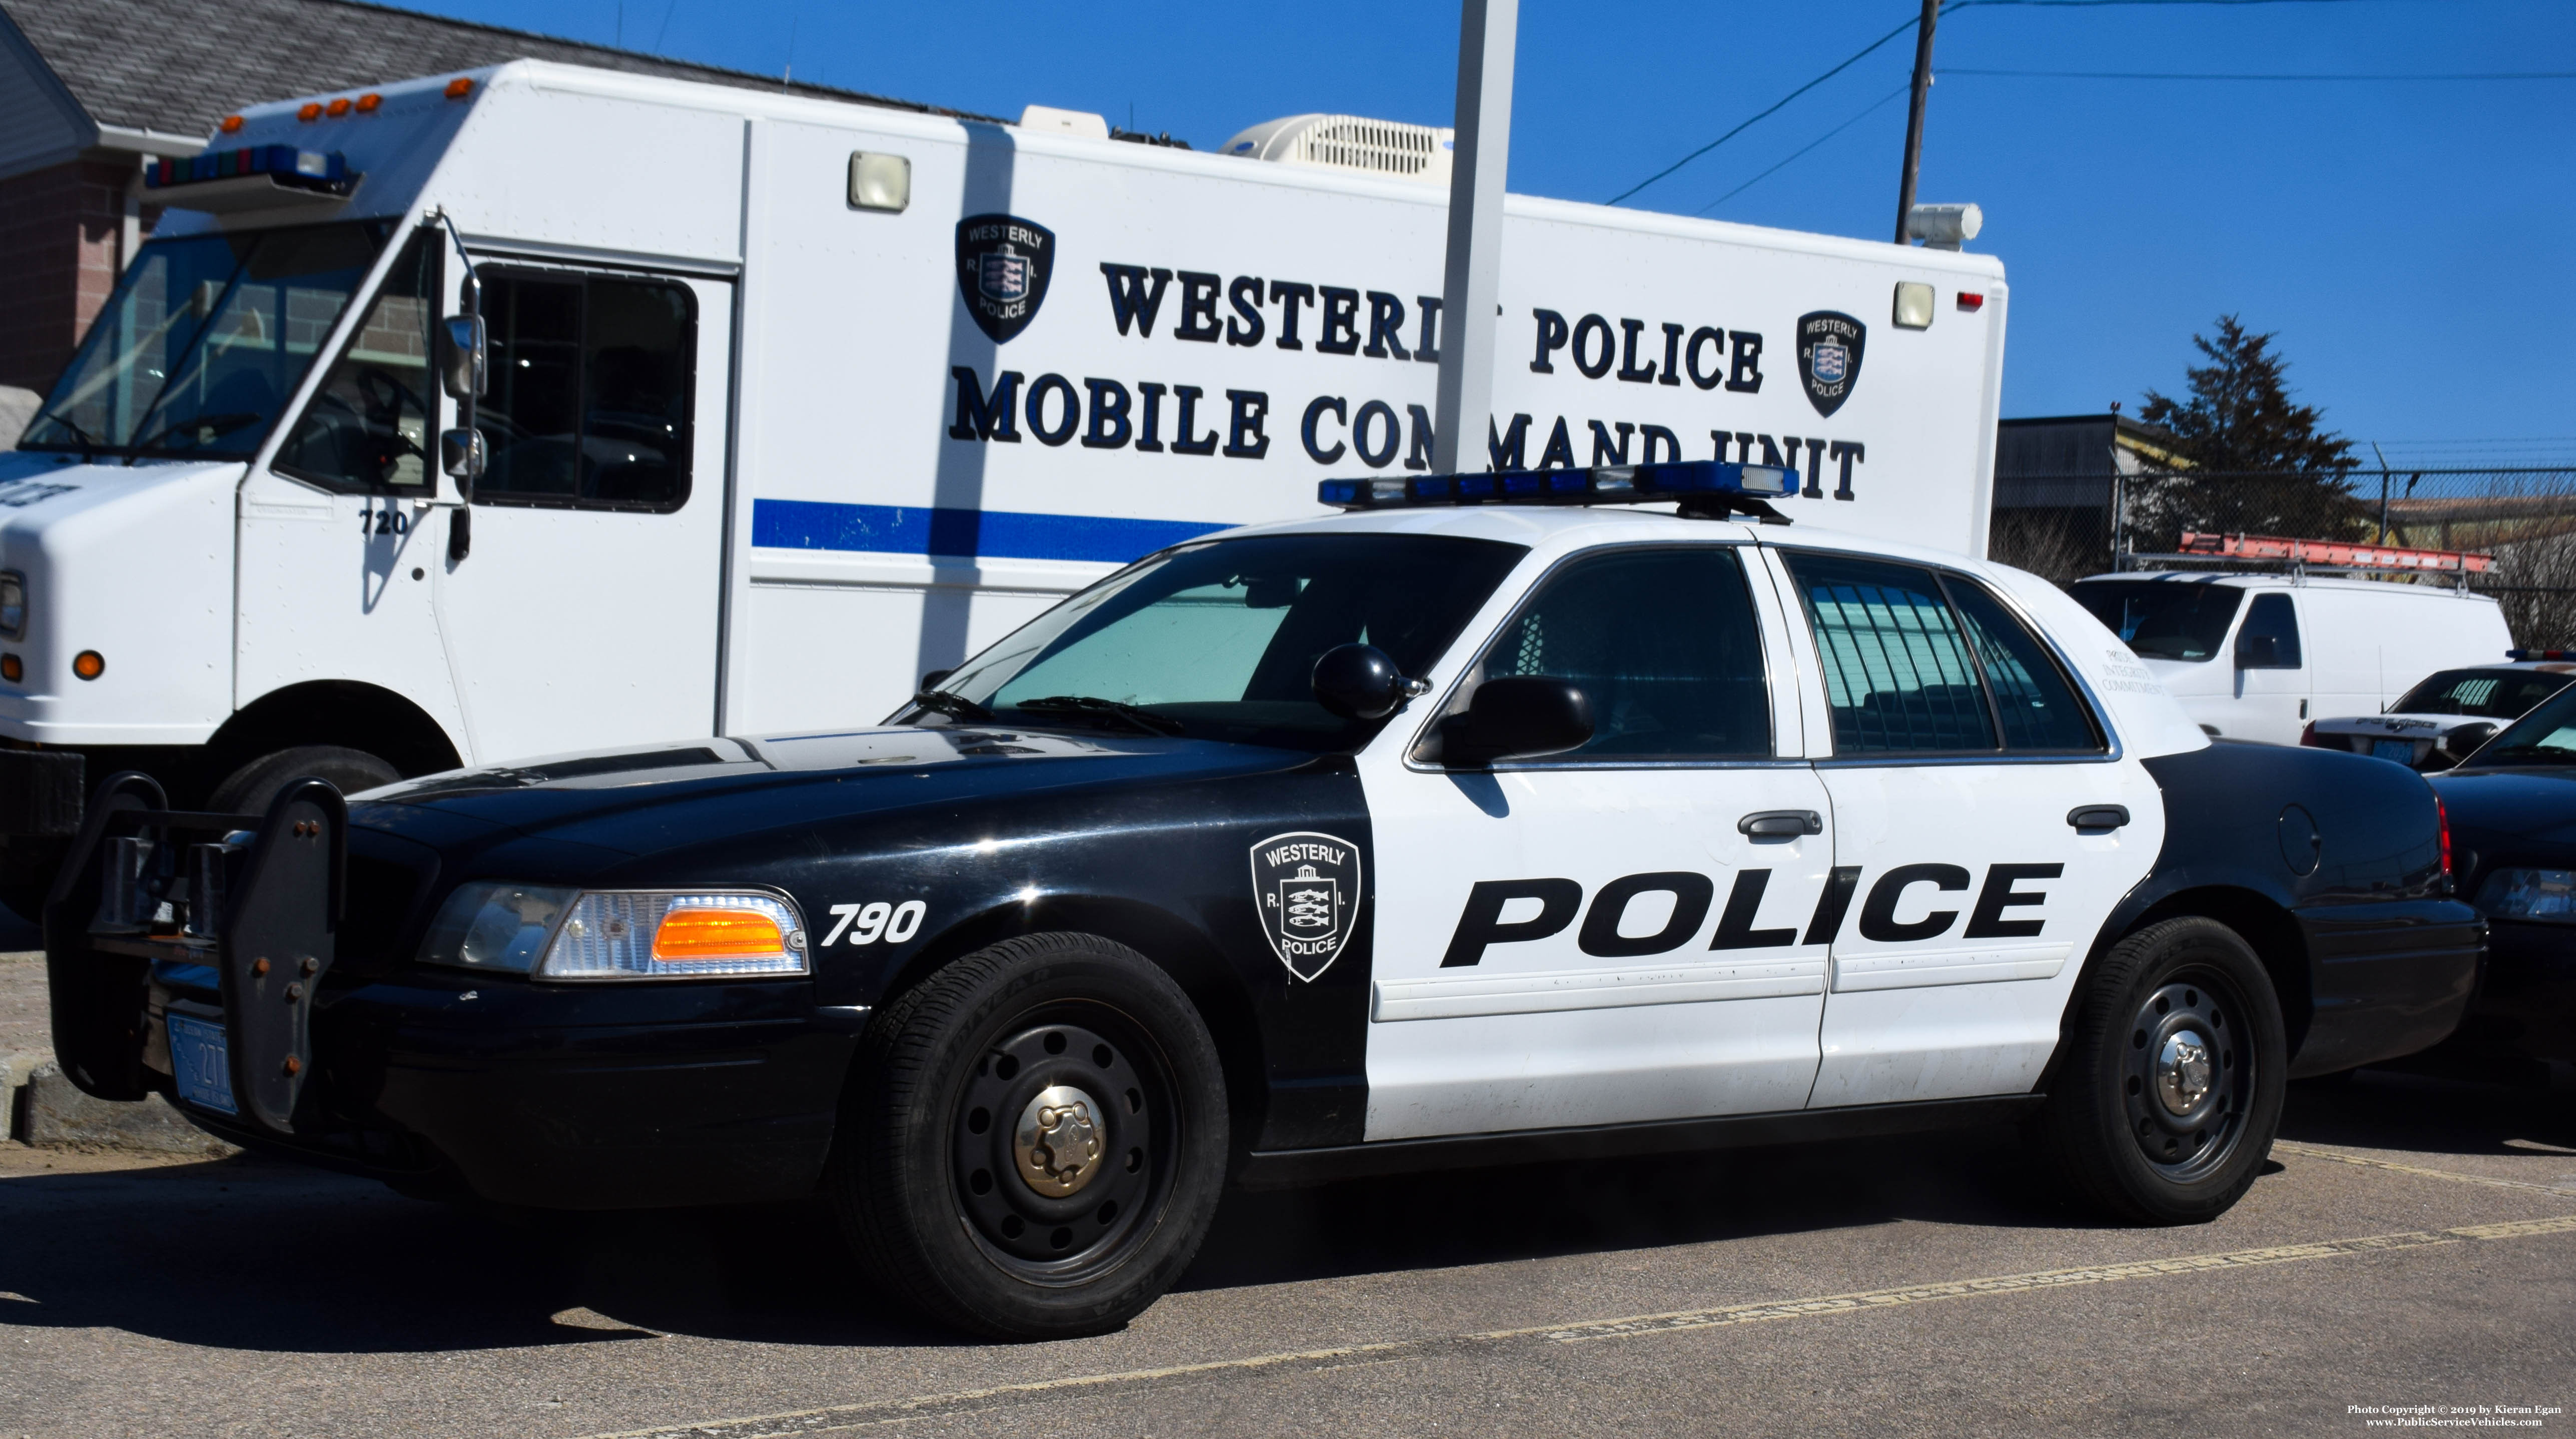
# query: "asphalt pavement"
x,y
2415,1246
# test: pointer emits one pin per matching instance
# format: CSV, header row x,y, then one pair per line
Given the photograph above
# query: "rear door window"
x,y
1897,669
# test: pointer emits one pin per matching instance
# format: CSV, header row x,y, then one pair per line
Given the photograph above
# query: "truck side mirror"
x,y
461,357
1516,716
2258,652
460,453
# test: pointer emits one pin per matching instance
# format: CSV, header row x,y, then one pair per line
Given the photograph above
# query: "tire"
x,y
943,1178
2137,1124
249,789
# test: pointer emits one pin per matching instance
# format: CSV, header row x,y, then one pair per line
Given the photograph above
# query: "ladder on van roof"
x,y
2300,555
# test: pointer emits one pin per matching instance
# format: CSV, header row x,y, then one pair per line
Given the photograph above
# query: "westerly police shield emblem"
x,y
1307,887
1829,346
1003,264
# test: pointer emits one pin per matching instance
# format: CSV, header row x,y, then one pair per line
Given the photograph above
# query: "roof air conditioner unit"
x,y
1387,148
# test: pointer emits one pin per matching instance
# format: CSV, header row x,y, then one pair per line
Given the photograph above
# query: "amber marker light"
x,y
231,125
12,668
337,108
716,934
312,111
460,87
368,102
89,664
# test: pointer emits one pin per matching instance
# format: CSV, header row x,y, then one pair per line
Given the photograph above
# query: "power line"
x,y
1873,46
1874,107
2186,75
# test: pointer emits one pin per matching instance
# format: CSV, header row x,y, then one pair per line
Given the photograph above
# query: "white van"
x,y
2258,656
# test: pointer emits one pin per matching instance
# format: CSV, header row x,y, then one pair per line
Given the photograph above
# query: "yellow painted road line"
x,y
2309,1151
897,1411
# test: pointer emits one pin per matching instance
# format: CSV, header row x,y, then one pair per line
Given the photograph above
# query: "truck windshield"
x,y
2487,694
204,341
2160,620
1218,640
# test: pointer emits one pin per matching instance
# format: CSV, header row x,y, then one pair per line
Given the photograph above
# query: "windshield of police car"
x,y
1218,640
204,341
2161,620
2547,736
2487,694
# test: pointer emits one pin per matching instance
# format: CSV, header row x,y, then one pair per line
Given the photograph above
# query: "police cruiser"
x,y
1500,817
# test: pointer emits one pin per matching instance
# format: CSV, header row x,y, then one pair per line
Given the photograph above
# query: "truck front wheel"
x,y
248,789
1035,1139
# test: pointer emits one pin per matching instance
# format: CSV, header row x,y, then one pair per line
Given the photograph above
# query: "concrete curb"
x,y
51,1110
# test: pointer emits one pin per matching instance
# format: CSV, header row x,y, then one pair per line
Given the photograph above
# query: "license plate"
x,y
202,1064
2400,750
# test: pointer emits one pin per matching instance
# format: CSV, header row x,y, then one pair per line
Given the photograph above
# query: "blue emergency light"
x,y
310,169
1702,486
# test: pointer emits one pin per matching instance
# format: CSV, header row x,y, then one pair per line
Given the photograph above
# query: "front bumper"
x,y
2386,979
560,1096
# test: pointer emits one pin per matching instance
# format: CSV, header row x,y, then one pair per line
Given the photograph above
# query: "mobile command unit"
x,y
783,403
1423,835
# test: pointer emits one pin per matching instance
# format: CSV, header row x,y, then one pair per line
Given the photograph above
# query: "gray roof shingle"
x,y
178,66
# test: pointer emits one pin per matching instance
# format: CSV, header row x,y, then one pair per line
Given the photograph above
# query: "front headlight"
x,y
565,934
2547,895
13,604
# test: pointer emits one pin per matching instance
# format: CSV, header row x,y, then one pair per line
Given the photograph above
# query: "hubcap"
x,y
1061,1143
1057,1141
2182,1072
2188,1074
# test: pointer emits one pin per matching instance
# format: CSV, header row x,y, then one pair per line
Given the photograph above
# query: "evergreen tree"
x,y
2237,420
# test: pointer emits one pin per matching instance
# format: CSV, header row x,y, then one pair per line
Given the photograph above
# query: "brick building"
x,y
89,89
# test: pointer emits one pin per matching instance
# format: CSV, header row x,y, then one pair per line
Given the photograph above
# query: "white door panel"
x,y
582,626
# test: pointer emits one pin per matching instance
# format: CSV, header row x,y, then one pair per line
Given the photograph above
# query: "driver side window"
x,y
368,426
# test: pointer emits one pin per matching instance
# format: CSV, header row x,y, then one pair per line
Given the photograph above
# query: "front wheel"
x,y
2170,1092
1035,1139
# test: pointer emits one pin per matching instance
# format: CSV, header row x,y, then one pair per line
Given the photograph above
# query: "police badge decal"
x,y
1829,345
1003,263
1307,887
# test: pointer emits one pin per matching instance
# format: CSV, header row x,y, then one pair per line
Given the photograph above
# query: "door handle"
x,y
1781,823
2098,816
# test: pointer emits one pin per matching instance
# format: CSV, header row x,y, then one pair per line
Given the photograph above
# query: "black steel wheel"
x,y
2166,1100
1034,1140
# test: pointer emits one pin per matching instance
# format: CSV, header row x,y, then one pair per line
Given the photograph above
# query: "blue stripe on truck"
x,y
999,534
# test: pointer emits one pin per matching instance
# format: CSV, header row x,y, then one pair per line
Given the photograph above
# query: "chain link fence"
x,y
2068,526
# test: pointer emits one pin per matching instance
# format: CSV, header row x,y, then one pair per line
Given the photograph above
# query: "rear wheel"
x,y
248,789
1035,1139
2170,1093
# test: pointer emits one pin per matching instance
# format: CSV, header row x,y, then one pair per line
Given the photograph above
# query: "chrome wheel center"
x,y
2182,1072
1057,1141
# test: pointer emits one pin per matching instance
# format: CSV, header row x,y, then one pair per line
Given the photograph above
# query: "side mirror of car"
x,y
1516,717
461,356
2460,743
1361,682
2258,652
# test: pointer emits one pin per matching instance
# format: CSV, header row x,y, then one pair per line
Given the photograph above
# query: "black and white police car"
x,y
1495,819
2442,721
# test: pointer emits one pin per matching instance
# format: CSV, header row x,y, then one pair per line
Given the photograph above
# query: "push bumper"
x,y
2386,979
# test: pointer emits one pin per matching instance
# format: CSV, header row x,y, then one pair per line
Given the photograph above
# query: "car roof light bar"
x,y
1705,488
285,164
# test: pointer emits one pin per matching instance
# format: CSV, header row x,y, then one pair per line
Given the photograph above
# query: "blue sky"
x,y
2408,240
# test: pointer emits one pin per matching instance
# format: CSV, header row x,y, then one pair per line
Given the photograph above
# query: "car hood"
x,y
657,797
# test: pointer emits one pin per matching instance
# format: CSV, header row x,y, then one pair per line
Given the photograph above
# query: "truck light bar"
x,y
287,165
1701,485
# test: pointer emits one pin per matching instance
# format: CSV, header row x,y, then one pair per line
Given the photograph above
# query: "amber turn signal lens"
x,y
337,108
368,102
12,668
460,87
89,664
232,125
716,934
312,111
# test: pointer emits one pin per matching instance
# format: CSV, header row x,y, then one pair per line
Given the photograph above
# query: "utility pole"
x,y
1914,120
1472,283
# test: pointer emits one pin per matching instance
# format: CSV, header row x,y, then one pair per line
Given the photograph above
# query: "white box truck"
x,y
788,402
